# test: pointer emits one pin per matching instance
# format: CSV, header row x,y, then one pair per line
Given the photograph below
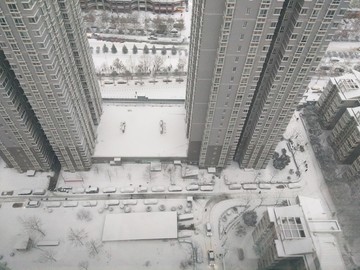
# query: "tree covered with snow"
x,y
250,218
124,49
134,49
113,49
153,49
281,161
163,51
146,49
105,49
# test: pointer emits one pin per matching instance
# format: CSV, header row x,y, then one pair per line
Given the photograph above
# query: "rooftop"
x,y
142,131
348,85
140,226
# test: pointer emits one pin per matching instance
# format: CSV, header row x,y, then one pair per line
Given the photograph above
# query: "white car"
x,y
32,204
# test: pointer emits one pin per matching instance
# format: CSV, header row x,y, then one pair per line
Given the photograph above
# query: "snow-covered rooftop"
x,y
140,226
149,131
348,85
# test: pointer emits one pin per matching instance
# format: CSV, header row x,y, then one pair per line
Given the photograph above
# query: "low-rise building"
x,y
298,237
339,94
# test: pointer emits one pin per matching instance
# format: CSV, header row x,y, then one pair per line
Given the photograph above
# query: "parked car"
x,y
32,204
7,193
63,189
25,192
211,257
92,190
208,229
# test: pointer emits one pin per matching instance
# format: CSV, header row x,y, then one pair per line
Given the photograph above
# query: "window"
x,y
12,7
342,11
273,24
248,10
277,11
18,22
263,13
269,37
244,24
2,21
234,69
242,36
304,11
298,24
330,14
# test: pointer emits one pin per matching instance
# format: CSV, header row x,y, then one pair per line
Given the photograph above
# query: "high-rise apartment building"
x,y
248,67
50,103
339,94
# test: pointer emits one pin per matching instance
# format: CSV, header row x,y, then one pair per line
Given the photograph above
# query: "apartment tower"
x,y
50,103
250,62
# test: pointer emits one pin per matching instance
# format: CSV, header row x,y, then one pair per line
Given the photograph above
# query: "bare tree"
x,y
140,71
84,215
83,265
32,224
128,75
105,17
146,63
130,65
158,63
77,237
94,247
47,256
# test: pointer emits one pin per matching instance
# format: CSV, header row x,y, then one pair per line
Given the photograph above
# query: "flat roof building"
x,y
297,237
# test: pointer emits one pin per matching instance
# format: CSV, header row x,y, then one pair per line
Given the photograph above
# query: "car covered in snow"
x,y
211,257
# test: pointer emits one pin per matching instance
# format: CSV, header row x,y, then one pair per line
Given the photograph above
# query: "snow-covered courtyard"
x,y
76,221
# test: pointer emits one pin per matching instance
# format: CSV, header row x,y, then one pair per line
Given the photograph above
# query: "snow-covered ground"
x,y
159,90
103,61
222,208
150,131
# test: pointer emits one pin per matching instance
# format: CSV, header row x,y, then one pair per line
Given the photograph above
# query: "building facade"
x,y
248,67
345,136
338,95
157,6
48,57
